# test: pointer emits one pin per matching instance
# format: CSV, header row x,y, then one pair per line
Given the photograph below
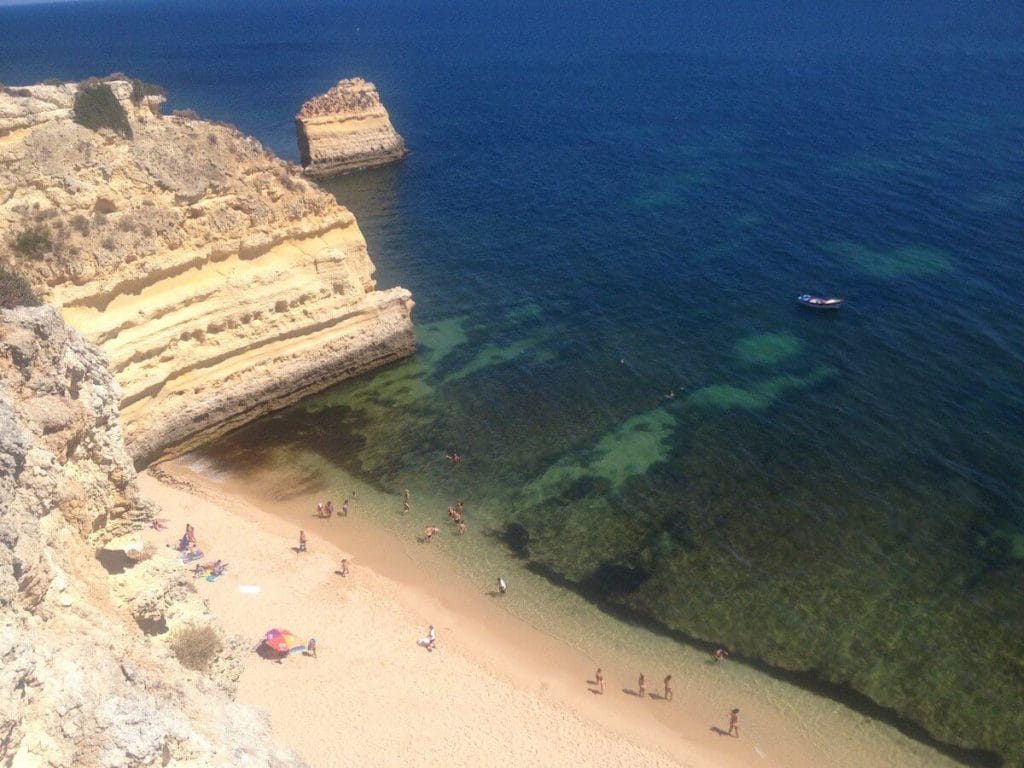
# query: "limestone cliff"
x,y
219,283
81,685
345,129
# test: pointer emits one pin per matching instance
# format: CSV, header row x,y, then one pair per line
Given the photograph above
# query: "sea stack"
x,y
219,283
346,129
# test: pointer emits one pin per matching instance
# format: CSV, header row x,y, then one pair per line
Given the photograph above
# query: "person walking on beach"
x,y
302,541
668,688
720,655
344,567
311,647
642,685
430,640
599,679
734,724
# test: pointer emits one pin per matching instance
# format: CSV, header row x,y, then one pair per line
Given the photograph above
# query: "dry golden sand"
x,y
497,690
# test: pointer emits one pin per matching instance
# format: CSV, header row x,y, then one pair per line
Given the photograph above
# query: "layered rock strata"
x,y
219,283
80,683
346,129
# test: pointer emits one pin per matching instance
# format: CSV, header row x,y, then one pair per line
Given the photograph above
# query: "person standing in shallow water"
x,y
344,508
734,724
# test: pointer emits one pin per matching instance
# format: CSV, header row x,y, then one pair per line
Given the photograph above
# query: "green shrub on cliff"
x,y
142,89
15,291
34,242
97,107
196,647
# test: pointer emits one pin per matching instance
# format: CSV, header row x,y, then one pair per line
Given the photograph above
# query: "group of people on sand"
x,y
215,570
641,684
188,546
456,513
326,509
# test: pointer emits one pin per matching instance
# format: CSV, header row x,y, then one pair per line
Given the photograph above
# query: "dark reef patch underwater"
x,y
607,216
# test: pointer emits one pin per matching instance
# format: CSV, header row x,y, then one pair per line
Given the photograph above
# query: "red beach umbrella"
x,y
281,640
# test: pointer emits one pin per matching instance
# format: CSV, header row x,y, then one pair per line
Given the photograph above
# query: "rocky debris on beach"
x,y
346,129
81,683
218,281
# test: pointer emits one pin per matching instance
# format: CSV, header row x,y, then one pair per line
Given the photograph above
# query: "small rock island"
x,y
346,129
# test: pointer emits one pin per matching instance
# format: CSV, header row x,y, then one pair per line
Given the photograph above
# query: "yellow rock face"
x,y
219,283
345,129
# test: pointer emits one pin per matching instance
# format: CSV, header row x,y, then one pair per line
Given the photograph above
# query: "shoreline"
x,y
539,654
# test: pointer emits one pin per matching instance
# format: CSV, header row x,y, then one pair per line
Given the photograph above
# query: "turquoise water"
x,y
607,204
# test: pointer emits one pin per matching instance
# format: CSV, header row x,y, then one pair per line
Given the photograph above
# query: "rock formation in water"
x,y
81,684
218,281
345,129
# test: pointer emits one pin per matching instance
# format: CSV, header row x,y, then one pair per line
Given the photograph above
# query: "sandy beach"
x,y
503,687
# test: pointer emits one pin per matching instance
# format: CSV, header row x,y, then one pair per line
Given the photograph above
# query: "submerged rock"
x,y
346,129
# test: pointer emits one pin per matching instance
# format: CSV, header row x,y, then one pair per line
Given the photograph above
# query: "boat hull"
x,y
820,302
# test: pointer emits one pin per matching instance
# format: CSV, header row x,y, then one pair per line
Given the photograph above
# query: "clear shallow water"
x,y
605,204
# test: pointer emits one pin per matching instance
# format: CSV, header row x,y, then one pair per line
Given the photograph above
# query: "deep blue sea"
x,y
611,203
